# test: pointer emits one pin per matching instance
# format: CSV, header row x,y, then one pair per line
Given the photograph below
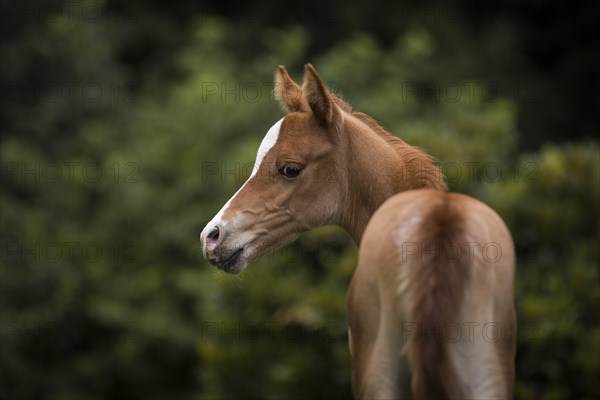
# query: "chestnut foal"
x,y
431,300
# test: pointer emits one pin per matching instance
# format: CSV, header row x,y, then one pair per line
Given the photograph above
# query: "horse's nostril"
x,y
214,234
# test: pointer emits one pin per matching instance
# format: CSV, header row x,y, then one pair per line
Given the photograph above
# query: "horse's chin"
x,y
238,261
235,268
233,263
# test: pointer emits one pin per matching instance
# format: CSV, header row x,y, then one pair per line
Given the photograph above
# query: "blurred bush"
x,y
551,206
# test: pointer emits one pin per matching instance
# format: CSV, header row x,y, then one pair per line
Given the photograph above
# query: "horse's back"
x,y
439,268
403,229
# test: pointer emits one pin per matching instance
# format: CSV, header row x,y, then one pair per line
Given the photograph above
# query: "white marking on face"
x,y
267,144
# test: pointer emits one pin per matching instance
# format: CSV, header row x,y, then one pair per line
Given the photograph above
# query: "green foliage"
x,y
552,210
104,292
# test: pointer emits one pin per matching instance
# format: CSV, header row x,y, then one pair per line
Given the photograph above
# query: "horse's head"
x,y
294,186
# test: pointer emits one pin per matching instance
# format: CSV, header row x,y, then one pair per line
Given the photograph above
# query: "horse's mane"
x,y
427,172
424,167
340,102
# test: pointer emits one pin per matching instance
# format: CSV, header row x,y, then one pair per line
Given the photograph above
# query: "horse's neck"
x,y
380,165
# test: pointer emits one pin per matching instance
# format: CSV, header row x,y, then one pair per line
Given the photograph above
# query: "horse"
x,y
430,304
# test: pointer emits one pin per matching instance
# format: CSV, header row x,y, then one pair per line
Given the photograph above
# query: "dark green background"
x,y
125,126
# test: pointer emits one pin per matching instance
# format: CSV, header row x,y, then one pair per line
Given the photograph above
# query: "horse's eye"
x,y
290,170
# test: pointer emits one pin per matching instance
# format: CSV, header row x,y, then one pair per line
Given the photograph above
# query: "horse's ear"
x,y
318,97
287,92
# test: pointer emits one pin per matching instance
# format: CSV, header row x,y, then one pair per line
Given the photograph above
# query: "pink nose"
x,y
213,236
211,243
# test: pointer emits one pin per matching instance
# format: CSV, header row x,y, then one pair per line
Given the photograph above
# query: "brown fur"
x,y
287,92
436,291
421,168
386,194
431,289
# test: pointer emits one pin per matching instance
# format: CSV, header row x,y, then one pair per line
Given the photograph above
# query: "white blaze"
x,y
267,143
